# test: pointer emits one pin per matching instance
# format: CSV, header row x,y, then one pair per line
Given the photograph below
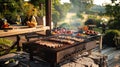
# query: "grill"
x,y
67,47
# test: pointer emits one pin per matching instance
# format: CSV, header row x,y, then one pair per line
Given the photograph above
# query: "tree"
x,y
8,7
82,5
55,18
14,7
113,10
65,8
90,22
37,2
40,5
65,25
59,11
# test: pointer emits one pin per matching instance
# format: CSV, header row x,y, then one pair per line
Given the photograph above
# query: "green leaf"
x,y
6,41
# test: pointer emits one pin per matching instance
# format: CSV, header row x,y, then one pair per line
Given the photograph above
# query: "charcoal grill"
x,y
57,55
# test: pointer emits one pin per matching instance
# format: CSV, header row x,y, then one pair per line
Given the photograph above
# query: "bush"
x,y
109,37
98,23
90,22
114,24
65,25
80,15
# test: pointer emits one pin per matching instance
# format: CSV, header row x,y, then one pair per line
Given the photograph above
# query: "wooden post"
x,y
48,12
101,43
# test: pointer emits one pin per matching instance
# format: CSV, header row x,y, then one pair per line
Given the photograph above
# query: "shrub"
x,y
109,37
90,22
65,25
114,24
80,15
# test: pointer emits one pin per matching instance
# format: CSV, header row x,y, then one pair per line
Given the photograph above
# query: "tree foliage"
x,y
65,25
113,10
82,5
90,22
37,2
80,15
59,11
8,7
14,7
109,37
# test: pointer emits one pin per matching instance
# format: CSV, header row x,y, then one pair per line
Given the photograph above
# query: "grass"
x,y
6,41
5,45
11,51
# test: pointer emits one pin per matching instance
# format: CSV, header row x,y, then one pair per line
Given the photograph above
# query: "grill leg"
x,y
53,65
31,56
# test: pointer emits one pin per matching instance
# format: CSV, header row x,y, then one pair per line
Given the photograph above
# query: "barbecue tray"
x,y
59,54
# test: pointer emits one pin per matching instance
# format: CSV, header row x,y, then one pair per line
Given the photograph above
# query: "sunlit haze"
x,y
26,0
98,2
65,1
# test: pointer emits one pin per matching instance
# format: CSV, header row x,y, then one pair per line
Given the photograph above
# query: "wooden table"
x,y
18,30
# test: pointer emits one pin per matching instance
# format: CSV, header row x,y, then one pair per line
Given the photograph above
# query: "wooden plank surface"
x,y
22,30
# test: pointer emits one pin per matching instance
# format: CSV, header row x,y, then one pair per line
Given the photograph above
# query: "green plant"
x,y
80,15
98,30
6,41
65,25
109,37
114,24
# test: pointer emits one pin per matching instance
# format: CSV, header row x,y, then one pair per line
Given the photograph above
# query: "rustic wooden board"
x,y
21,30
